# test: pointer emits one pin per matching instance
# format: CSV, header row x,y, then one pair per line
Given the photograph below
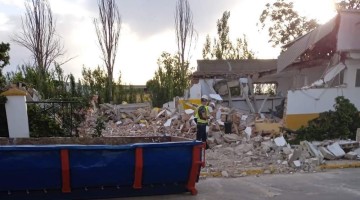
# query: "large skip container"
x,y
79,168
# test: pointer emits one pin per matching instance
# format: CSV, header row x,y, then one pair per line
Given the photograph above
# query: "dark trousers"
x,y
201,133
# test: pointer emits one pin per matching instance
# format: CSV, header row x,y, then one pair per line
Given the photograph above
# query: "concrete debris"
x,y
358,135
312,149
357,151
297,163
351,155
229,138
295,155
246,149
225,174
280,141
327,154
336,150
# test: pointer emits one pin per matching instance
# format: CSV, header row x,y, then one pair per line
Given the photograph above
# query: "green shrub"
x,y
100,125
339,124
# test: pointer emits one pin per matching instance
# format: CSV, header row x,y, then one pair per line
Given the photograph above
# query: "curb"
x,y
341,165
251,172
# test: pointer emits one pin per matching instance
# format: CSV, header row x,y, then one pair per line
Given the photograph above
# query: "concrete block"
x,y
287,150
280,141
314,161
358,135
345,144
297,163
357,151
336,150
225,174
243,148
351,155
295,155
267,145
326,153
231,138
313,150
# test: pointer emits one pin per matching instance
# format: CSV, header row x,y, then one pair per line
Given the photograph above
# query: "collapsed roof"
x,y
225,68
339,35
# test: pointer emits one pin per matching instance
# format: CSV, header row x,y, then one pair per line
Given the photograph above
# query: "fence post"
x,y
16,113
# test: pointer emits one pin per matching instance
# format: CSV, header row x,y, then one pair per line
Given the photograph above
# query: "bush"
x,y
339,124
42,124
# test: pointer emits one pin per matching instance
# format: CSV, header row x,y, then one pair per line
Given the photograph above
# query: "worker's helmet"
x,y
204,97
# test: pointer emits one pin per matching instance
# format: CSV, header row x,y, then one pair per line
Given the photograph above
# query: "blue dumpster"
x,y
31,169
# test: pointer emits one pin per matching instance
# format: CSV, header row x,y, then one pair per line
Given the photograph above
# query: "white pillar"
x,y
16,113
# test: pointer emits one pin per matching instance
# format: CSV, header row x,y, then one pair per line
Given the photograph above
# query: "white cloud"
x,y
3,22
147,31
12,3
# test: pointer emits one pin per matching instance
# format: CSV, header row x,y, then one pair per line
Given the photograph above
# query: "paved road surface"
x,y
332,185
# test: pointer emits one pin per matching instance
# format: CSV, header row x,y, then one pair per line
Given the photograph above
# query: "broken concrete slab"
x,y
351,155
168,122
287,150
248,132
336,150
297,163
243,148
189,111
327,154
314,151
295,155
357,151
314,161
229,138
280,141
358,135
348,144
267,145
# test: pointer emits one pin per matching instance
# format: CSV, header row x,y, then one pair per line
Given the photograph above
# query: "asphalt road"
x,y
341,184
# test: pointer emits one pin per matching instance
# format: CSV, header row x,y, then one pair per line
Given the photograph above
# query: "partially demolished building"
x,y
312,71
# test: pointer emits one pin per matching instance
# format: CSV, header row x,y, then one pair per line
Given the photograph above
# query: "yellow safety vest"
x,y
199,120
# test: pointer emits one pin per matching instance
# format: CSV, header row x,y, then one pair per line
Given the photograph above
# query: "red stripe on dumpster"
x,y
65,170
138,168
195,167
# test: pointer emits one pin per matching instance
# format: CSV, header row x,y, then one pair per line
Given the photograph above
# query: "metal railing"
x,y
58,117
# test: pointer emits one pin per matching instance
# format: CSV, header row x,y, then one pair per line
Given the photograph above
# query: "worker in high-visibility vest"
x,y
202,115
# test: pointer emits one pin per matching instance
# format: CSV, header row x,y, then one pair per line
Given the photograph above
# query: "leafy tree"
x,y
165,84
53,85
94,82
108,27
4,54
284,24
347,4
4,60
222,47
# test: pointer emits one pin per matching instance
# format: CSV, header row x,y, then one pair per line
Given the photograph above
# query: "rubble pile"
x,y
235,156
255,144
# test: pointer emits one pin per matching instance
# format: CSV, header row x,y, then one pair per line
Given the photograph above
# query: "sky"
x,y
147,31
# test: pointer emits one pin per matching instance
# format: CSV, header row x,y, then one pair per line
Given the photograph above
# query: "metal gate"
x,y
52,118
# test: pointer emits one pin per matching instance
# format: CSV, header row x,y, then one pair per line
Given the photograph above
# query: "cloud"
x,y
147,31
